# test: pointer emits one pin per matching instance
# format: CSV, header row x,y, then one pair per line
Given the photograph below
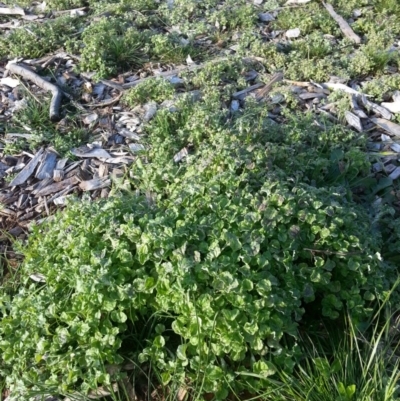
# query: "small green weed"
x,y
38,39
308,19
157,89
111,46
233,15
342,103
309,69
388,7
369,60
185,12
169,48
382,88
204,272
313,45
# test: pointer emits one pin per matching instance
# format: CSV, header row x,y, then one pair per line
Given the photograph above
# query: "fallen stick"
x,y
267,88
26,73
342,87
61,12
343,25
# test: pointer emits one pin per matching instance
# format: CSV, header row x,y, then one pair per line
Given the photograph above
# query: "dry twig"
x,y
343,25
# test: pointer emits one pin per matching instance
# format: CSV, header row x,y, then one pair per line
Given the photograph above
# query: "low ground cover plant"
x,y
111,45
157,90
39,39
134,32
206,272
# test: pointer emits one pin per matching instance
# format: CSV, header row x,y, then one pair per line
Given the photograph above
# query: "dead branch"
x,y
267,88
343,25
26,73
106,102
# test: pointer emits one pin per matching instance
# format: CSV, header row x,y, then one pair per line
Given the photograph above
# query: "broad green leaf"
x,y
251,327
324,233
353,264
350,391
383,183
143,253
247,284
233,241
181,352
118,316
159,342
323,367
264,368
264,287
165,378
315,276
369,296
225,282
214,373
231,314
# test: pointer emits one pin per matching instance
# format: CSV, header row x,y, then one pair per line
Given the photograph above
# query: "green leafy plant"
x,y
111,45
171,48
152,89
307,19
382,88
37,39
222,254
345,362
231,234
52,4
234,14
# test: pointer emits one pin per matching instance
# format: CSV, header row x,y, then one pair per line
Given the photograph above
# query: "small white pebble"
x,y
235,105
293,33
